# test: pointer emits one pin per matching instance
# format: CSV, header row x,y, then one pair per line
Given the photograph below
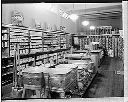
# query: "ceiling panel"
x,y
79,6
103,16
94,10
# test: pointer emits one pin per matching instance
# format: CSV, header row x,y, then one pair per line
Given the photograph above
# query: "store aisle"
x,y
107,83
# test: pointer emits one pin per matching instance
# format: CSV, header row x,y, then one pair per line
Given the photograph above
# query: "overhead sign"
x,y
63,14
17,18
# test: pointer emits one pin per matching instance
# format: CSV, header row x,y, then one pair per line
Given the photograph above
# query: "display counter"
x,y
99,54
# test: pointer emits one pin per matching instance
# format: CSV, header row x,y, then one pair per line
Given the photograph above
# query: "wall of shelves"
x,y
5,41
36,41
108,37
49,58
7,70
107,42
21,36
33,40
36,47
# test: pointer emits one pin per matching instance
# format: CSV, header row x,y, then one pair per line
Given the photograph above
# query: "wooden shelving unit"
x,y
7,70
108,41
29,40
55,40
21,36
5,41
36,43
34,40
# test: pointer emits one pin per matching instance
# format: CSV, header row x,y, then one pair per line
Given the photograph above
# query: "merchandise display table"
x,y
86,69
64,79
83,57
97,53
74,77
84,74
81,51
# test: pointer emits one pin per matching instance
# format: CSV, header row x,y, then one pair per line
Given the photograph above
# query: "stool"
x,y
39,90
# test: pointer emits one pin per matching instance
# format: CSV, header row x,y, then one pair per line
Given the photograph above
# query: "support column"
x,y
125,36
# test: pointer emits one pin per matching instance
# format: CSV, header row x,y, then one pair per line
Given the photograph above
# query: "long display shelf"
x,y
37,40
27,60
31,45
97,35
110,43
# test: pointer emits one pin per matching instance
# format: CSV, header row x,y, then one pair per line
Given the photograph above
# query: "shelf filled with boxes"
x,y
63,40
36,40
32,40
49,58
51,40
32,52
19,35
108,37
55,40
5,41
7,70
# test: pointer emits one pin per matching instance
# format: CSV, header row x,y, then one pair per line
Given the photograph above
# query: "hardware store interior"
x,y
62,50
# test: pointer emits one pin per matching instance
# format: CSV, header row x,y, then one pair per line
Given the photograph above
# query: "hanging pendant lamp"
x,y
92,27
85,23
73,17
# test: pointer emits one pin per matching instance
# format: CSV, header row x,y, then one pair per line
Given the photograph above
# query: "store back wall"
x,y
37,12
117,23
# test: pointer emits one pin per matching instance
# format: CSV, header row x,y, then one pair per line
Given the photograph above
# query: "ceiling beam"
x,y
104,13
101,18
97,10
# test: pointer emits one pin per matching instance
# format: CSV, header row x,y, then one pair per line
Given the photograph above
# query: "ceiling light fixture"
x,y
85,23
92,27
73,17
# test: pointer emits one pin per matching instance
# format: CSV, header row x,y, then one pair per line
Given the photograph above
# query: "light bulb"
x,y
73,17
92,27
85,23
